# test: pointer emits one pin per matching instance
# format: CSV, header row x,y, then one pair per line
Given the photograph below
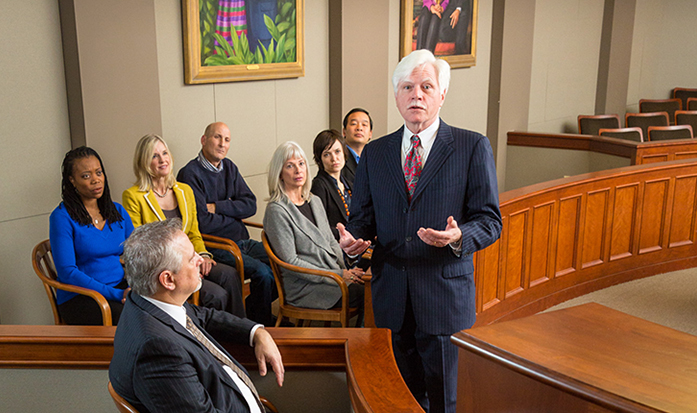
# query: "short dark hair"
x,y
323,141
354,110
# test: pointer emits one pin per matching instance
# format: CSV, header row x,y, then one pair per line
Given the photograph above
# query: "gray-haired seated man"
x,y
165,356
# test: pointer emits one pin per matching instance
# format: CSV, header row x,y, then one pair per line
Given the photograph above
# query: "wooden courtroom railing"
x,y
374,383
638,152
565,238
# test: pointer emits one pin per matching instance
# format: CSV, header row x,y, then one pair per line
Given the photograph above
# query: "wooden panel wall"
x,y
576,235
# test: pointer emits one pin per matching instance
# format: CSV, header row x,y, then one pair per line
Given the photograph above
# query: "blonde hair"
x,y
284,152
142,159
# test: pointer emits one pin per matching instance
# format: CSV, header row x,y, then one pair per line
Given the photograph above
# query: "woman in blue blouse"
x,y
87,232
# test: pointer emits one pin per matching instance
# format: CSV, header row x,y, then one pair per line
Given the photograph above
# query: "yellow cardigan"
x,y
144,209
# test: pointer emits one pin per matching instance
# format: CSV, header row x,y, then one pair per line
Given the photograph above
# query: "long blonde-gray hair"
x,y
142,159
284,152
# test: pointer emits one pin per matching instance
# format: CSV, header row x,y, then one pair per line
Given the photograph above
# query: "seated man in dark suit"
x,y
165,356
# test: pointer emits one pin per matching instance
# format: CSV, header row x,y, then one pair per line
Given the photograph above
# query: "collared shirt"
x,y
353,153
208,165
178,313
427,137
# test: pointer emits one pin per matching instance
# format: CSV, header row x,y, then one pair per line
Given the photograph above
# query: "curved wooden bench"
x,y
638,152
568,237
374,383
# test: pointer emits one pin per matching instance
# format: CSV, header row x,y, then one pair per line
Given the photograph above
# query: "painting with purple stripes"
x,y
239,40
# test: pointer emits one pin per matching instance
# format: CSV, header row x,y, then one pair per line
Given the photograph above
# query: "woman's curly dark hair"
x,y
71,199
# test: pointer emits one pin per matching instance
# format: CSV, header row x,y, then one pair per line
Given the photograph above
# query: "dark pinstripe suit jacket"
x,y
458,179
158,366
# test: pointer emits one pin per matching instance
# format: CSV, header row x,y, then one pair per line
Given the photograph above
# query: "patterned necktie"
x,y
222,358
412,166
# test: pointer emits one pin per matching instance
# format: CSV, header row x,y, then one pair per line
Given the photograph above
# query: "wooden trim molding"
x,y
639,153
568,237
374,382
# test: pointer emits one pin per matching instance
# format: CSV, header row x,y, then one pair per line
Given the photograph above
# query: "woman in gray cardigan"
x,y
296,225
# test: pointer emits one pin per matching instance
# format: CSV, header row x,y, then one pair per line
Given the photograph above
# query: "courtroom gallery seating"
x,y
687,117
42,260
691,103
661,105
342,314
632,134
644,120
662,133
591,124
684,94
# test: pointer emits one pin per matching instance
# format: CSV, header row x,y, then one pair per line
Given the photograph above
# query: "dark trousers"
x,y
356,299
428,30
256,268
222,290
428,364
84,311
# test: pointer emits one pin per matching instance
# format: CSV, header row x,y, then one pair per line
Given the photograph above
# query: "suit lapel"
x,y
154,206
333,191
181,202
440,151
393,161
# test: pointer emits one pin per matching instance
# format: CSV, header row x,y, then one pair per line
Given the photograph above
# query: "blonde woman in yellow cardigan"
x,y
157,196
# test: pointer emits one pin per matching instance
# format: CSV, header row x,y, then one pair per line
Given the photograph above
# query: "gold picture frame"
x,y
457,45
212,57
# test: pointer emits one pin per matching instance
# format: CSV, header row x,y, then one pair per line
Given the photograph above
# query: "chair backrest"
x,y
591,124
686,117
120,402
684,94
275,268
42,260
220,243
632,134
662,133
691,104
644,120
661,105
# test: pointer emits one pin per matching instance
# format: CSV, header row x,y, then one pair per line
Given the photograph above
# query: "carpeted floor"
x,y
667,299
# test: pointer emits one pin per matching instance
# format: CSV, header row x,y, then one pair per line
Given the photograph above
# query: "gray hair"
x,y
416,59
149,251
284,152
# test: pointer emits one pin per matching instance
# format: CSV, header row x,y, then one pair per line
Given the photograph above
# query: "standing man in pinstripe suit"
x,y
428,193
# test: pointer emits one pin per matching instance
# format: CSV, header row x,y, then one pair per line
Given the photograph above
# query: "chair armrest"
x,y
220,243
101,301
253,224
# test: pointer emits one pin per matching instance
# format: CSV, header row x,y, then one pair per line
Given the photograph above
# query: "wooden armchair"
x,y
42,260
630,134
126,407
686,117
211,241
662,133
644,120
342,314
685,94
661,105
591,124
691,104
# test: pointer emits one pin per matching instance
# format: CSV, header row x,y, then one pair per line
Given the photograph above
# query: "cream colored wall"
x,y
565,63
34,134
663,51
261,115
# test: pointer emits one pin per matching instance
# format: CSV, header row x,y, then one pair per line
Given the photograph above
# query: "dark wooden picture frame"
x,y
456,45
214,52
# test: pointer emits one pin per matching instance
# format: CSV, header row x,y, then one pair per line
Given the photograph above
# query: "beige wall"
x,y
565,63
663,52
34,135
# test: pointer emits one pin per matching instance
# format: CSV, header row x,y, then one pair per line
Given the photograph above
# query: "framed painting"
x,y
241,40
448,28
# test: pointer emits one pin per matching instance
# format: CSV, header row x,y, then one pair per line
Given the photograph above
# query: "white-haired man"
x,y
165,356
428,193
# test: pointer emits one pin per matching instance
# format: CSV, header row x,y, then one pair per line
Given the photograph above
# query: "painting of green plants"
x,y
282,47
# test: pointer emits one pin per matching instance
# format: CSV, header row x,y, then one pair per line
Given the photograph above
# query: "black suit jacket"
x,y
323,186
158,366
349,171
459,180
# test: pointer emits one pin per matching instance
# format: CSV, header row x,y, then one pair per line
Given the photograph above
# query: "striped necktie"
x,y
222,358
412,166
